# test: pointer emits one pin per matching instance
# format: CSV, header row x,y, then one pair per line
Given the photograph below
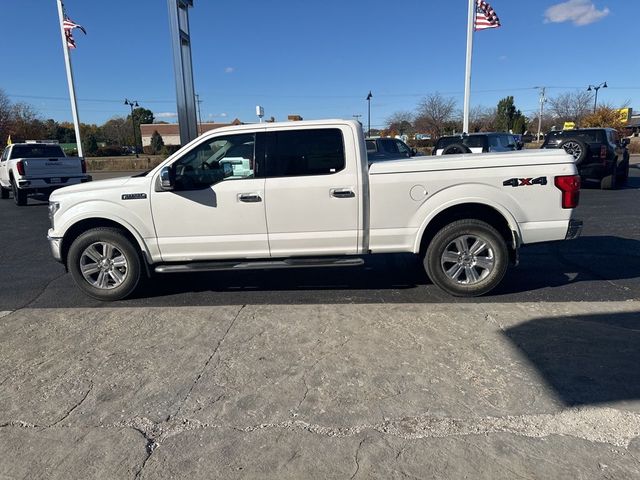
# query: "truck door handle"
x,y
342,193
250,197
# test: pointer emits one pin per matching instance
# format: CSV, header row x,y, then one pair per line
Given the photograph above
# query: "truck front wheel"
x,y
467,258
104,264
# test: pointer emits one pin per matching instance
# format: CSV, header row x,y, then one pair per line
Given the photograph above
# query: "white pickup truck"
x,y
38,167
302,194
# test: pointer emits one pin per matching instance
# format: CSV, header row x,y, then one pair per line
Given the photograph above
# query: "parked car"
x,y
381,149
306,197
38,167
476,143
599,153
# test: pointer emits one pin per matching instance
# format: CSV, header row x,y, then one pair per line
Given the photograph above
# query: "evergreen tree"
x,y
156,142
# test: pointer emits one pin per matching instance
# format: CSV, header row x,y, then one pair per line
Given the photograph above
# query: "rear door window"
x,y
389,145
402,148
372,146
305,152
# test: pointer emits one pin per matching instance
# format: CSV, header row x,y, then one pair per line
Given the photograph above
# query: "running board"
x,y
260,264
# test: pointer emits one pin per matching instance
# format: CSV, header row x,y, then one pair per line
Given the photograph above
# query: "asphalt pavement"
x,y
602,265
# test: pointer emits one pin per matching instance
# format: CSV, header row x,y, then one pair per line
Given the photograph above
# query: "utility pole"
x,y
543,100
198,102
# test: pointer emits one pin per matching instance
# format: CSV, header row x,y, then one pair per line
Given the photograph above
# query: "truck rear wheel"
x,y
467,258
105,264
19,195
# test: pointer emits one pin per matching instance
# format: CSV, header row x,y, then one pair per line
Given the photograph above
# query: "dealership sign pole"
x,y
467,74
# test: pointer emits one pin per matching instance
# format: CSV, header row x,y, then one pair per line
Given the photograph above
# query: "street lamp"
x,y
369,97
133,104
596,88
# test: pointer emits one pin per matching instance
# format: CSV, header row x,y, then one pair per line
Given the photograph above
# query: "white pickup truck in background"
x,y
38,167
302,194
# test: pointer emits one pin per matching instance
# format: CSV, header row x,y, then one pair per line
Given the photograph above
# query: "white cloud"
x,y
580,12
229,70
214,115
503,58
165,115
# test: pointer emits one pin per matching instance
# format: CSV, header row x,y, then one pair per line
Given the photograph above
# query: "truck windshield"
x,y
37,151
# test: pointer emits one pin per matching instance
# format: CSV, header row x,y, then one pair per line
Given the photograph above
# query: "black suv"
x,y
476,143
599,153
380,149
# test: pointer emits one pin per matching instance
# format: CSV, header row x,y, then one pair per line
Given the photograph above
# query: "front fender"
x,y
130,219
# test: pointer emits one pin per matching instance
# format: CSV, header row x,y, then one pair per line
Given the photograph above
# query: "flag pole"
x,y
467,78
72,91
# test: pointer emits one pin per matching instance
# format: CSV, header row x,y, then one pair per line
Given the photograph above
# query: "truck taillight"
x,y
20,167
569,185
84,165
603,152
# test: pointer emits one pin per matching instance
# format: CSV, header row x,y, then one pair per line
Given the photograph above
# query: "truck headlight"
x,y
53,208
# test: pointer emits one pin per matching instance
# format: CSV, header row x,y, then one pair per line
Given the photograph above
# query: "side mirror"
x,y
167,178
624,142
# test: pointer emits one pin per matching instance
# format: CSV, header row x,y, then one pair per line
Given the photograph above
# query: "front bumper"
x,y
574,229
56,247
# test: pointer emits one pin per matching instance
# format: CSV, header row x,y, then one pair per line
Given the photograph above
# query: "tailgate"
x,y
52,167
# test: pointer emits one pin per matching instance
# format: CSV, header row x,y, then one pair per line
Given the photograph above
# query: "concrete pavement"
x,y
529,390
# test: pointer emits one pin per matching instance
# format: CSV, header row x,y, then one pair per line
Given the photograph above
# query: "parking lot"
x,y
367,372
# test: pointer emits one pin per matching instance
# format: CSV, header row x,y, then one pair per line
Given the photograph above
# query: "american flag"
x,y
485,16
68,26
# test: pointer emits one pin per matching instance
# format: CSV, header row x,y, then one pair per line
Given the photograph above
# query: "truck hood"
x,y
472,161
91,187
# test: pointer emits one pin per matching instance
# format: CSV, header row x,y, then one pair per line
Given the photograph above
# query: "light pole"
x,y
596,88
133,104
369,97
543,100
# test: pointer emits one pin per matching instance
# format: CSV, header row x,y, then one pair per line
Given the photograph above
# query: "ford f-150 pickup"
x,y
38,167
302,194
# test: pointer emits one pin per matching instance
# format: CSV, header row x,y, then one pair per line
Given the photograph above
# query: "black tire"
x,y
577,148
4,193
456,148
623,177
19,195
93,241
610,182
438,258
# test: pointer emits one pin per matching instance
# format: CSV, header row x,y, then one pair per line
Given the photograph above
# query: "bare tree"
x,y
5,117
401,122
434,113
482,119
571,106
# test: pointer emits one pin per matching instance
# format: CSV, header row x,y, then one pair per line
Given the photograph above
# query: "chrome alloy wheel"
x,y
103,265
573,148
468,259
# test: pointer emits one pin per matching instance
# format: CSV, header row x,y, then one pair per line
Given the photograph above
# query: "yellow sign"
x,y
625,114
569,125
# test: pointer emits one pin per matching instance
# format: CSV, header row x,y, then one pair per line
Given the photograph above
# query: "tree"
x,y
401,122
156,142
89,144
117,131
433,114
142,115
509,118
571,107
482,119
605,116
5,117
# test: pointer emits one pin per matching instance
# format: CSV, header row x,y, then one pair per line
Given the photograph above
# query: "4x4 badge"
x,y
521,182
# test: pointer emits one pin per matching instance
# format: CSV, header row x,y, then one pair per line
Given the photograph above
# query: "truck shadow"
x,y
586,359
545,266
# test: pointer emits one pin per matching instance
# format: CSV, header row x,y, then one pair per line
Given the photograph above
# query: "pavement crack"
x,y
72,409
355,458
206,364
41,292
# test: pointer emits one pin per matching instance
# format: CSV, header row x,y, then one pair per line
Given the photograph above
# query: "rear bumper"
x,y
574,230
46,183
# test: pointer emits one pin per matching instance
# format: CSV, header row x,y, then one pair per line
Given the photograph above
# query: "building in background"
x,y
170,132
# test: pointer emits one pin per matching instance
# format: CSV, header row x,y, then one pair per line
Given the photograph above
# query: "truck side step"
x,y
260,264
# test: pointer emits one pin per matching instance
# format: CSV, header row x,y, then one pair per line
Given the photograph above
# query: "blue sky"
x,y
318,60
